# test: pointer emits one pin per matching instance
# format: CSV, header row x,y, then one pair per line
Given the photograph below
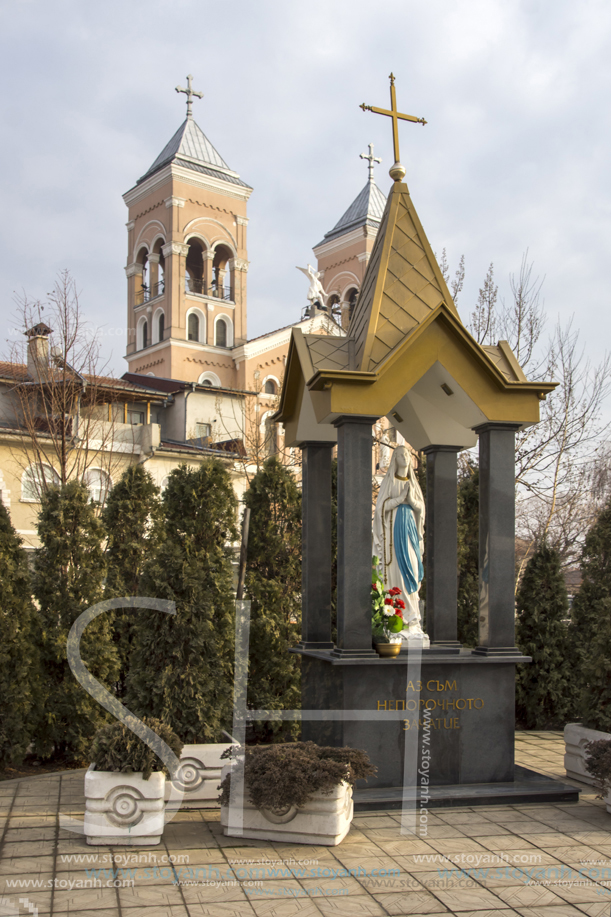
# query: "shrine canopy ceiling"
x,y
406,356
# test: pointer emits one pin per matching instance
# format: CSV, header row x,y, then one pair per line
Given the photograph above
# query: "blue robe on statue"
x,y
405,533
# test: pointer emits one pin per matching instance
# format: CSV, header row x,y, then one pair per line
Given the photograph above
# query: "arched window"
x,y
35,481
194,267
220,333
209,378
270,387
161,326
193,327
351,297
145,334
98,483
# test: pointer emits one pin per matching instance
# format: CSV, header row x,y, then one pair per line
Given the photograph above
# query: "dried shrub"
x,y
598,764
284,775
116,748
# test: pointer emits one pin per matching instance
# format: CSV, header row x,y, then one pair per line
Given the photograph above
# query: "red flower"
x,y
394,591
399,603
399,613
388,601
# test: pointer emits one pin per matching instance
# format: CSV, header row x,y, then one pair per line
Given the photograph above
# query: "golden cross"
x,y
189,94
396,116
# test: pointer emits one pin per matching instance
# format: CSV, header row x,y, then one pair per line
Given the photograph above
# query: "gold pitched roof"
x,y
402,286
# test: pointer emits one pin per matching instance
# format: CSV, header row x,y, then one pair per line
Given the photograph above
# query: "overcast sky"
x,y
515,154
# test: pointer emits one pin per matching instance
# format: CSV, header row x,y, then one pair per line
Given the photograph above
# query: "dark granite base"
x,y
527,787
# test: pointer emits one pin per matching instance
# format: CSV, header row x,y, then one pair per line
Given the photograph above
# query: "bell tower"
x,y
187,260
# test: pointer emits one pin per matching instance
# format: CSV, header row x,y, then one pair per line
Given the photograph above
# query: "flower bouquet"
x,y
386,614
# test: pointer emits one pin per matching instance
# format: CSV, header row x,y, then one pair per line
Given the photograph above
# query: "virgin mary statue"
x,y
398,533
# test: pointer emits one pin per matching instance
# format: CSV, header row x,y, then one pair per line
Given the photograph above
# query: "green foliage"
x,y
285,775
182,665
543,687
595,700
598,764
19,673
468,554
383,626
273,584
589,613
132,516
68,577
116,748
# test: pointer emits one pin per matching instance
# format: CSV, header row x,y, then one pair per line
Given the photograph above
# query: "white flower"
x,y
388,611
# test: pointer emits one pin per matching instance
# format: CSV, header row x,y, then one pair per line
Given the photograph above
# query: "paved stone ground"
x,y
47,868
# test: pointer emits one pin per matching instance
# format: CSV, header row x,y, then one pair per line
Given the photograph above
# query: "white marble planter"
x,y
324,820
123,809
576,737
199,775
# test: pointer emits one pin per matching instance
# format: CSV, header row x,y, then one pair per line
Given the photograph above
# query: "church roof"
x,y
191,149
366,209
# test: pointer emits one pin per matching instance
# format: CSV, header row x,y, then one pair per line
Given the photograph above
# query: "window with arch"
x,y
210,379
220,333
161,326
145,334
143,290
270,387
98,483
351,297
35,481
193,327
194,267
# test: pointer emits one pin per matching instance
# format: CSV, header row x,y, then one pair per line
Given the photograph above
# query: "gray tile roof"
x,y
366,209
191,149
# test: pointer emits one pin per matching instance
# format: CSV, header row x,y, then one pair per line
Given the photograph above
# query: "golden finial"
x,y
397,172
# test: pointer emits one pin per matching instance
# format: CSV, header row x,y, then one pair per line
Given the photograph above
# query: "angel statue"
x,y
316,292
398,532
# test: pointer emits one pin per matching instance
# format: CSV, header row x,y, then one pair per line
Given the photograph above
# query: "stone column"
x,y
354,521
497,533
441,547
316,541
153,260
207,258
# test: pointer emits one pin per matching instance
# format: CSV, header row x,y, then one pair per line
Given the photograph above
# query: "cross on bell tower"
x,y
371,159
189,94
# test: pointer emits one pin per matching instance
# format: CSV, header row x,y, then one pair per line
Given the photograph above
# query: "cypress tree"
x,y
543,687
19,675
589,604
595,700
273,584
68,577
468,554
182,665
132,517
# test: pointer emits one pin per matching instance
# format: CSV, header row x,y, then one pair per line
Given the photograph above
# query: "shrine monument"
x,y
408,357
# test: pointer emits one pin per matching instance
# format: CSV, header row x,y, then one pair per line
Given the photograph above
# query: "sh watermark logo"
x,y
10,907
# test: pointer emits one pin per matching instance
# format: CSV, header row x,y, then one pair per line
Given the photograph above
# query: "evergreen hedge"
x,y
68,578
273,584
182,665
132,517
19,674
543,687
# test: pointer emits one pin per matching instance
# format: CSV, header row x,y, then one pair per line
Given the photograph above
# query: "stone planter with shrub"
x,y
576,739
598,765
295,792
125,786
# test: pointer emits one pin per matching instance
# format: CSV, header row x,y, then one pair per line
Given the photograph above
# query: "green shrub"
x,y
68,578
544,687
283,775
598,764
182,665
131,517
116,748
595,699
468,554
19,663
273,584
